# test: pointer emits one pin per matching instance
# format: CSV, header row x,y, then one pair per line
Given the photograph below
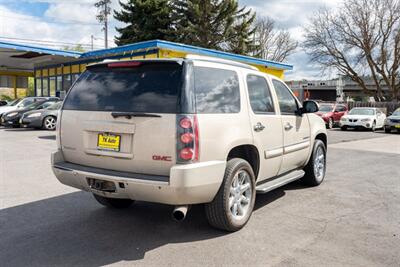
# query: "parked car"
x,y
12,118
3,103
393,122
23,103
331,113
186,131
43,118
363,118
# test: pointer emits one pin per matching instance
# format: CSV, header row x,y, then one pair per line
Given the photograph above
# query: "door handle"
x,y
259,127
288,126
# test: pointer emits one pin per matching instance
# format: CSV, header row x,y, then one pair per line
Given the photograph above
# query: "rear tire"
x,y
388,130
233,205
316,168
117,203
49,123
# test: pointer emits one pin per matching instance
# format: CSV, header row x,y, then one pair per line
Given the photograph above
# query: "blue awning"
x,y
154,44
37,49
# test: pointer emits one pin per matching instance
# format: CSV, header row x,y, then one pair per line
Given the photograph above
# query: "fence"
x,y
387,107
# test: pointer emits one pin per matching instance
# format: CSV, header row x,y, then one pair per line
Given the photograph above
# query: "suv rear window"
x,y
216,90
149,87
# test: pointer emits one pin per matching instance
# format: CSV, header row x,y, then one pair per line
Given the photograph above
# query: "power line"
x,y
43,41
47,43
69,22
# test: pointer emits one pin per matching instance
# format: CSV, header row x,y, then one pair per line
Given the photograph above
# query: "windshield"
x,y
55,106
325,108
396,112
145,87
33,105
362,111
14,102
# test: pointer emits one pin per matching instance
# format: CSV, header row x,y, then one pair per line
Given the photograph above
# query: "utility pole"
x,y
105,25
91,39
102,17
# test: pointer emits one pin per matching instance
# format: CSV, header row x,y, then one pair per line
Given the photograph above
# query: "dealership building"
x,y
54,71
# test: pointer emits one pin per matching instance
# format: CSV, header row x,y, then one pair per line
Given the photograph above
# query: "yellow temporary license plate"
x,y
397,126
109,142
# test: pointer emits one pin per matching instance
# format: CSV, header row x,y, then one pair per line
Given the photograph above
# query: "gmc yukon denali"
x,y
185,131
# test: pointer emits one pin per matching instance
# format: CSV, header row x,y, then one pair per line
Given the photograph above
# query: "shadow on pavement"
x,y
47,137
73,229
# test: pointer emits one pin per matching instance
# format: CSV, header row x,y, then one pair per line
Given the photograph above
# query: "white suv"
x,y
186,131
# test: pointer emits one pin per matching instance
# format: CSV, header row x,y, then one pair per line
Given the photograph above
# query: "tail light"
x,y
187,139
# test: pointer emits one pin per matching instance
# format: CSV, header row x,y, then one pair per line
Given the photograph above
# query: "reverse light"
x,y
187,138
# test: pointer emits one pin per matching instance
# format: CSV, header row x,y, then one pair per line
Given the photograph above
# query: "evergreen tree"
x,y
204,23
217,24
145,19
241,39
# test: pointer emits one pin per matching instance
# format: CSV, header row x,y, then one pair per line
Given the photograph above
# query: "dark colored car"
x,y
393,122
42,118
11,118
331,113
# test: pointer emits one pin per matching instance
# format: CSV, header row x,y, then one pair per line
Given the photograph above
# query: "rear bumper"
x,y
187,184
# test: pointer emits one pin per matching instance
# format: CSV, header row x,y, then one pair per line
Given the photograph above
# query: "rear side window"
x,y
148,87
260,95
216,90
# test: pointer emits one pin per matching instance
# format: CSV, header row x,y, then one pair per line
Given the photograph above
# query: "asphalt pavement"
x,y
352,219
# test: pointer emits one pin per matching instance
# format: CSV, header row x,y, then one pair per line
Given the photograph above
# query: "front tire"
x,y
233,205
316,167
117,203
373,127
343,128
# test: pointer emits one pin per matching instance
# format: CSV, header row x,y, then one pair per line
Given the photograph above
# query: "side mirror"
x,y
310,106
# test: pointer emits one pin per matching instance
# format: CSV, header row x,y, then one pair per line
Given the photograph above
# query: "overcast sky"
x,y
73,21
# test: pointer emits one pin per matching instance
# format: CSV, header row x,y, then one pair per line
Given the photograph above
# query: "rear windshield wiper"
x,y
129,115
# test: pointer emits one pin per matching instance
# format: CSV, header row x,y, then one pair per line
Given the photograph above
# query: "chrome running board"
x,y
279,181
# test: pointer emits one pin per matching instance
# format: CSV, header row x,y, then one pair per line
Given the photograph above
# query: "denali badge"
x,y
162,158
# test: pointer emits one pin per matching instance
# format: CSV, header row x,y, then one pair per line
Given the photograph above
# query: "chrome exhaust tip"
x,y
179,213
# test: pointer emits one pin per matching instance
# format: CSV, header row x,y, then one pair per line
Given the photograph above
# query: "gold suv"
x,y
186,131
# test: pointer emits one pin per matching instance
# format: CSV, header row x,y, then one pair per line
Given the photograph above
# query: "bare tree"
x,y
271,43
361,38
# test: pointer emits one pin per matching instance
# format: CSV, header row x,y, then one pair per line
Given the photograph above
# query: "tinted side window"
x,y
216,90
260,95
287,102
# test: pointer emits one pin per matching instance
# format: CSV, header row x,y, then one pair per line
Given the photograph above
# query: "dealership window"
x,y
22,82
59,83
45,86
67,82
38,87
52,86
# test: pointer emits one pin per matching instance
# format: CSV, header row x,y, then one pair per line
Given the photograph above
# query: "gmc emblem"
x,y
162,158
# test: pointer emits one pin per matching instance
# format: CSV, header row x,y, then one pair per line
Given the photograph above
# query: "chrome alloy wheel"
x,y
240,195
319,164
50,123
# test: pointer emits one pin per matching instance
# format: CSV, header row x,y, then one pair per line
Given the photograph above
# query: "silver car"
x,y
393,122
